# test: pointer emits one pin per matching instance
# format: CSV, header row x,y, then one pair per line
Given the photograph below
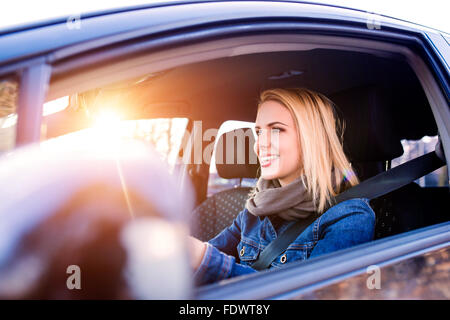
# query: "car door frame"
x,y
300,277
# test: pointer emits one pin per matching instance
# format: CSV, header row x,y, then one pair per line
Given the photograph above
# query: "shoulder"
x,y
248,220
344,225
352,213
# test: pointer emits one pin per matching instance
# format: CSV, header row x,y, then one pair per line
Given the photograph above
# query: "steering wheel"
x,y
109,219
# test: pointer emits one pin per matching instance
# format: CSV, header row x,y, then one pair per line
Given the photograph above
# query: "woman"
x,y
303,166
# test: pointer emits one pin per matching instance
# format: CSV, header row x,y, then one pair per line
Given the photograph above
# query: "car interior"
x,y
379,97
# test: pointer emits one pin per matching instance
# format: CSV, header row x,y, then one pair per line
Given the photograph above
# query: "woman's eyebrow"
x,y
274,123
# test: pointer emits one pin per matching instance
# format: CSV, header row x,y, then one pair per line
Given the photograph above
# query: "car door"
x,y
79,63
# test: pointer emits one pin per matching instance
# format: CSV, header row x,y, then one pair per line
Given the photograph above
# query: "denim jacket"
x,y
232,251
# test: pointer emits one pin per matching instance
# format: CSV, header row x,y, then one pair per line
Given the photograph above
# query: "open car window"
x,y
370,137
165,135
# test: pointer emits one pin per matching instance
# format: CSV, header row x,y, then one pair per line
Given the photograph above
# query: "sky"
x,y
430,13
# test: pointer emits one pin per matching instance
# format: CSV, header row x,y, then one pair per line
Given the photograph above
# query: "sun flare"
x,y
107,120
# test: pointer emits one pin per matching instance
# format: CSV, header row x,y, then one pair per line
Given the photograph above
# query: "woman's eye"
x,y
272,130
276,130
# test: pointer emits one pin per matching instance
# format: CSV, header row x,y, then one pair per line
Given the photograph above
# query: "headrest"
x,y
234,154
369,124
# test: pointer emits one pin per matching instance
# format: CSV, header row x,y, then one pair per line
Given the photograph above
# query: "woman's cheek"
x,y
256,147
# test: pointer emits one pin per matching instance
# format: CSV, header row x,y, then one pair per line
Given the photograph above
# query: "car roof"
x,y
115,24
20,20
23,20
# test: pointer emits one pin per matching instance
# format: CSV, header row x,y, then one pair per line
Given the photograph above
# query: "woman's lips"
x,y
266,161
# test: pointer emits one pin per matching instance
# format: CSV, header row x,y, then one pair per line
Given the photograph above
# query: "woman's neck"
x,y
289,179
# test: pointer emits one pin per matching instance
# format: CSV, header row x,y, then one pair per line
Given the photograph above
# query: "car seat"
x,y
375,125
219,210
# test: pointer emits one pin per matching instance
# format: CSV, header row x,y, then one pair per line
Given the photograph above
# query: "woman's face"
x,y
277,144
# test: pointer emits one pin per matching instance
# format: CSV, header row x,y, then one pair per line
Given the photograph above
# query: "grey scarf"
x,y
290,202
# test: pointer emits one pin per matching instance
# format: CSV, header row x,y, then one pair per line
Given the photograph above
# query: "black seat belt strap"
x,y
280,244
394,178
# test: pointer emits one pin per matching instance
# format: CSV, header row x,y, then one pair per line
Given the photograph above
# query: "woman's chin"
x,y
268,174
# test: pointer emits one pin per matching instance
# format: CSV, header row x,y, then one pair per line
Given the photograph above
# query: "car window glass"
x,y
215,182
9,93
164,134
416,148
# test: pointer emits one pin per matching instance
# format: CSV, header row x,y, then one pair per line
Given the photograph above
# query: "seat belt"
x,y
371,188
280,244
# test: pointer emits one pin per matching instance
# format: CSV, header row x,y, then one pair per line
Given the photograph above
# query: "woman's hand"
x,y
197,249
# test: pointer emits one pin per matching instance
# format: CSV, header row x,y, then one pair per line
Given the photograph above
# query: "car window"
x,y
9,93
416,148
215,182
164,134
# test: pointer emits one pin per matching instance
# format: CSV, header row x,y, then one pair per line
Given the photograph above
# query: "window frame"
x,y
34,77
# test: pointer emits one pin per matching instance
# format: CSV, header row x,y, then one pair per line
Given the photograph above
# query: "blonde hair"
x,y
326,169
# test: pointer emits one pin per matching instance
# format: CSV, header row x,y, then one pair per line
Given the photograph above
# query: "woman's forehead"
x,y
273,111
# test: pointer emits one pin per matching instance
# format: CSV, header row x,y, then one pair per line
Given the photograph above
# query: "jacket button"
x,y
241,253
283,258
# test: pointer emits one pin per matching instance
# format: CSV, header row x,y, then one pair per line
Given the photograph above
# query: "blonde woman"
x,y
303,166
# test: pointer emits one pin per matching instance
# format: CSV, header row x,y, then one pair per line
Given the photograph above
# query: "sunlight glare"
x,y
54,106
106,129
107,120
